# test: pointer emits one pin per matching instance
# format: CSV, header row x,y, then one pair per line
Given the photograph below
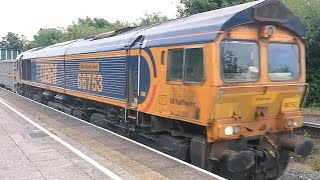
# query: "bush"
x,y
313,78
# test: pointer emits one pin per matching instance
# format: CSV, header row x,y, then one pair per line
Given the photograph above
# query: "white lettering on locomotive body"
x,y
91,82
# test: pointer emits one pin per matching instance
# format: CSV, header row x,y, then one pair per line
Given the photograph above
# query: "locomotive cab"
x,y
247,87
262,82
258,97
259,89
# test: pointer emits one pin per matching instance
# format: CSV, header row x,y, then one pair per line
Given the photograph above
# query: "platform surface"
x,y
26,152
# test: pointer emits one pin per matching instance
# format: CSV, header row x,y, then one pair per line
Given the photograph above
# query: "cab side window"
x,y
193,65
186,65
176,64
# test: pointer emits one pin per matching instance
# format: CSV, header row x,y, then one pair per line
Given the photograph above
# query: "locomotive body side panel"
x,y
104,77
178,99
48,72
97,76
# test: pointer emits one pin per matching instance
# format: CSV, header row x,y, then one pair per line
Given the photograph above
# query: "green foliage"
x,y
190,7
231,63
45,37
80,29
313,78
153,18
90,26
309,13
12,41
83,28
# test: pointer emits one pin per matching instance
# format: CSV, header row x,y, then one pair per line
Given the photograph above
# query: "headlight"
x,y
228,130
290,122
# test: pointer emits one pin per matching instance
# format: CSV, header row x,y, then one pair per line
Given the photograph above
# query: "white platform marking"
x,y
73,149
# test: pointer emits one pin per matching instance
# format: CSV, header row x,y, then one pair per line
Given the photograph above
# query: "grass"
x,y
312,160
300,167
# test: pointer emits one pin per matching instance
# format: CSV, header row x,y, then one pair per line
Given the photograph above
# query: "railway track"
x,y
311,126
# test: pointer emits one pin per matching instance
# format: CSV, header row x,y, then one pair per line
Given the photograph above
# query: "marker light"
x,y
270,31
267,31
236,130
228,130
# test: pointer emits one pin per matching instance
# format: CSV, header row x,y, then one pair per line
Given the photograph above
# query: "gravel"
x,y
293,172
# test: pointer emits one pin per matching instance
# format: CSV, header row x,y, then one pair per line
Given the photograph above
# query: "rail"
x,y
313,125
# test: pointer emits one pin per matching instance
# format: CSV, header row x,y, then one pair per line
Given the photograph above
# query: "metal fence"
x,y
9,53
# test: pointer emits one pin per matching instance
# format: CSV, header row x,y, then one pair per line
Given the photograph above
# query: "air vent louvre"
x,y
272,11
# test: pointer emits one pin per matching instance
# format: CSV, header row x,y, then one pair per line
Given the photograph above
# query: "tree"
x,y
85,27
12,41
80,29
90,26
309,13
45,37
190,7
152,18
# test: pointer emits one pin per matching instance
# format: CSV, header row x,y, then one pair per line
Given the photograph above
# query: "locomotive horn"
x,y
302,148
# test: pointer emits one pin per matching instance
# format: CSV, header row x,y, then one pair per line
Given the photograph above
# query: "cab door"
x,y
133,72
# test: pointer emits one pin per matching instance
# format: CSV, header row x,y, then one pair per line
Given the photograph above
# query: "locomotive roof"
x,y
199,28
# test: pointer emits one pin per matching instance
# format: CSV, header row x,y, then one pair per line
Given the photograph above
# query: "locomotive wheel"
x,y
38,98
15,89
98,119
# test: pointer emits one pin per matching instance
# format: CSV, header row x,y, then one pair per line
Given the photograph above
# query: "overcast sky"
x,y
26,17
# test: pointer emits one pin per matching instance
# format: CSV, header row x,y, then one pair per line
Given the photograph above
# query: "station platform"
x,y
37,142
